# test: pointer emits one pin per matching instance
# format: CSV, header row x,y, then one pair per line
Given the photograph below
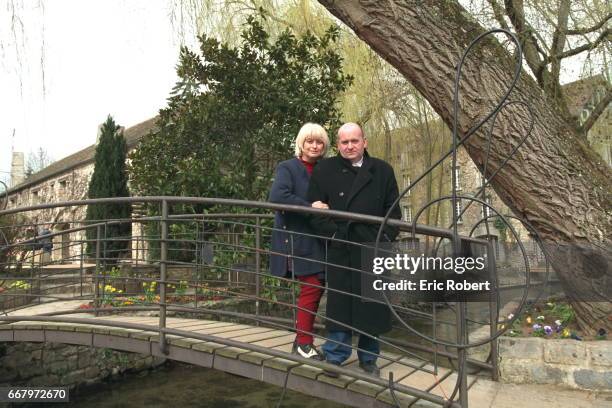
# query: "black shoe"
x,y
307,351
329,373
370,368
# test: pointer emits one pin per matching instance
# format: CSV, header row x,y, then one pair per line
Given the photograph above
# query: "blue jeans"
x,y
339,352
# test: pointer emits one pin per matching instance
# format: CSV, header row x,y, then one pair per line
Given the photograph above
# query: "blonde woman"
x,y
290,187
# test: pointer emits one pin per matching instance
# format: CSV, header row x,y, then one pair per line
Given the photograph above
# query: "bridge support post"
x,y
257,264
33,273
462,353
104,258
97,274
163,258
81,270
493,310
137,248
462,332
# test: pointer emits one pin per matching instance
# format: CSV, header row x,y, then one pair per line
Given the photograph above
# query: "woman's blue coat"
x,y
289,187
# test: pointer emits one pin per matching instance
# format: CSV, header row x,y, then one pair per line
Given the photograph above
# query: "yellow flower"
x,y
565,332
528,320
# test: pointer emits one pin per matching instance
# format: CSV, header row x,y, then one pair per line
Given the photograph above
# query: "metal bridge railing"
x,y
215,264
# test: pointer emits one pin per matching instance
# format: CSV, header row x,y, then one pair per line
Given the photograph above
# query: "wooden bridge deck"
x,y
271,369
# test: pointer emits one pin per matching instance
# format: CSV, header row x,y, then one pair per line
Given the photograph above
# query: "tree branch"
x,y
531,49
597,111
605,34
580,31
498,12
558,43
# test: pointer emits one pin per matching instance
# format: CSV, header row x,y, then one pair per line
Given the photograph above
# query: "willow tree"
x,y
556,181
377,88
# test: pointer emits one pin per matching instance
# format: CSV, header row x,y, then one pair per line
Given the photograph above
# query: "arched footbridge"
x,y
261,353
195,287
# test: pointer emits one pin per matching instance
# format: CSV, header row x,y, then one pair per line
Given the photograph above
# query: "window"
x,y
63,188
35,197
486,211
407,213
459,210
405,184
483,180
457,175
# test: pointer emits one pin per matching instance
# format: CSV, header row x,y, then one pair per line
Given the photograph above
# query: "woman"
x,y
290,187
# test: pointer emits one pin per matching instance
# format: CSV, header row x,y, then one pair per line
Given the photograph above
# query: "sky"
x,y
114,57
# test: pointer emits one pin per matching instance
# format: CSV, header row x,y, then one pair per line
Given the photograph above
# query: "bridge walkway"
x,y
108,333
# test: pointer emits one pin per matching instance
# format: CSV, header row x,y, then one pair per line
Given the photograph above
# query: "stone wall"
x,y
56,364
583,365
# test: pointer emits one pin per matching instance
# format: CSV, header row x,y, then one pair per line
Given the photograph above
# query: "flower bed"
x,y
553,319
9,294
111,296
545,346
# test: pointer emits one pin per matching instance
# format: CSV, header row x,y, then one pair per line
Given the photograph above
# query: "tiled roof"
x,y
85,156
578,93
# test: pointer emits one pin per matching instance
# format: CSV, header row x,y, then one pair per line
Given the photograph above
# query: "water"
x,y
181,385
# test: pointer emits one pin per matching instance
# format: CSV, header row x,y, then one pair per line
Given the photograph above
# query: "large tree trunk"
x,y
556,181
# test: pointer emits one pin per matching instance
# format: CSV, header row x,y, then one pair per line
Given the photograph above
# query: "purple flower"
x,y
537,326
548,330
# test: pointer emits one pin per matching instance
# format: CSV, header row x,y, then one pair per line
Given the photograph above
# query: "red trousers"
x,y
308,299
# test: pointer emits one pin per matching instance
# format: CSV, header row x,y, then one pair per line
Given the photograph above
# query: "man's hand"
x,y
321,205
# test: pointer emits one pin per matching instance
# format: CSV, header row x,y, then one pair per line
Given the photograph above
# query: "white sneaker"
x,y
308,351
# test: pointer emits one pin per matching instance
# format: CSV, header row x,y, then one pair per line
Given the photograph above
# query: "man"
x,y
352,181
46,244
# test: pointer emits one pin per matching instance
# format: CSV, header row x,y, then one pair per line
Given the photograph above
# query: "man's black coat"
x,y
369,189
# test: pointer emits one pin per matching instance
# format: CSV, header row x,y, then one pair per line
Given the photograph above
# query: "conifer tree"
x,y
109,179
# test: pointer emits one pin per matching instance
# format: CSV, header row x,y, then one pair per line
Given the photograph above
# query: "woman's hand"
x,y
320,205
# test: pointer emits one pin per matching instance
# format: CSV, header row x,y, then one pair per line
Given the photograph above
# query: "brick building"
x,y
64,180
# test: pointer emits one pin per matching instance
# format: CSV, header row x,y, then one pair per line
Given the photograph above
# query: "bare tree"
x,y
552,33
37,160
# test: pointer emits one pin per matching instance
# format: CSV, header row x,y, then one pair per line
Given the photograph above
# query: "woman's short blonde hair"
x,y
311,130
